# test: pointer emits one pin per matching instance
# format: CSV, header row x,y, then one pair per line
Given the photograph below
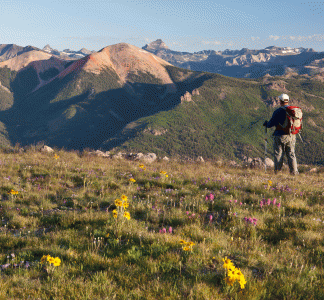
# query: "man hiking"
x,y
284,142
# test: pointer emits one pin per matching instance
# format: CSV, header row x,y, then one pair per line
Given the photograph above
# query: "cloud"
x,y
299,38
212,42
254,38
274,37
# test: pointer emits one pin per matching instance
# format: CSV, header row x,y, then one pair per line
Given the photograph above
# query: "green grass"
x,y
97,111
213,126
64,208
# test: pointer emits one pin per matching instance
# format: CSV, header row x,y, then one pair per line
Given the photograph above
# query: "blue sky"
x,y
184,25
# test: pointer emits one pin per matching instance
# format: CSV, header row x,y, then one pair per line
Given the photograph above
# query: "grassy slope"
x,y
211,126
75,112
64,208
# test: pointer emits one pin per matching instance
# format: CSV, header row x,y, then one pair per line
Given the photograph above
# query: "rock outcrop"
x,y
156,132
149,157
187,97
200,159
257,162
47,149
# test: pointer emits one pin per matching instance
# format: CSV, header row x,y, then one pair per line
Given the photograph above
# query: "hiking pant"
x,y
285,144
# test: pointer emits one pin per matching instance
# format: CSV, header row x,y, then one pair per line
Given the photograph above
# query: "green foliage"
x,y
25,82
49,73
7,76
84,109
6,99
212,126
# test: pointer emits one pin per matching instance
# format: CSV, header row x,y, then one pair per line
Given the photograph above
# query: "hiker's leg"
x,y
291,156
278,153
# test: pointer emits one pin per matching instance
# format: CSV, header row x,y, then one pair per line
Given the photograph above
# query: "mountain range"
x,y
127,98
245,62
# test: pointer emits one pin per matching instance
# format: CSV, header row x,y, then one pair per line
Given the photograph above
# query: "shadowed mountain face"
x,y
127,98
90,100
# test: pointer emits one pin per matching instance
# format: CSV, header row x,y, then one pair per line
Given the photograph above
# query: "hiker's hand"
x,y
265,123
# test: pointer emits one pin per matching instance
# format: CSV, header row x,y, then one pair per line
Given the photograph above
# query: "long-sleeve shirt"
x,y
278,117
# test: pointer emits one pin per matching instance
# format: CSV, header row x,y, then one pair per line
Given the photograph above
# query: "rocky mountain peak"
x,y
85,51
156,45
47,48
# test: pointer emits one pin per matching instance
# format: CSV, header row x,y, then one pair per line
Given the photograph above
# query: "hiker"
x,y
284,141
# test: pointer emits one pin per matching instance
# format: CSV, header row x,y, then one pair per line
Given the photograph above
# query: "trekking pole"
x,y
265,149
300,138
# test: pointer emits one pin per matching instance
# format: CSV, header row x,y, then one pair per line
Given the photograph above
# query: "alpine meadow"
x,y
124,176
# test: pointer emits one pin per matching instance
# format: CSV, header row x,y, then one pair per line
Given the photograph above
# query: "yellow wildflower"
x,y
13,192
182,242
186,248
57,261
51,260
56,156
118,202
132,180
227,263
44,258
124,198
127,215
233,274
242,282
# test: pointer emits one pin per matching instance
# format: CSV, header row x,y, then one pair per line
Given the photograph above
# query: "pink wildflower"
x,y
170,229
274,201
164,230
279,205
241,203
210,218
187,212
235,201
